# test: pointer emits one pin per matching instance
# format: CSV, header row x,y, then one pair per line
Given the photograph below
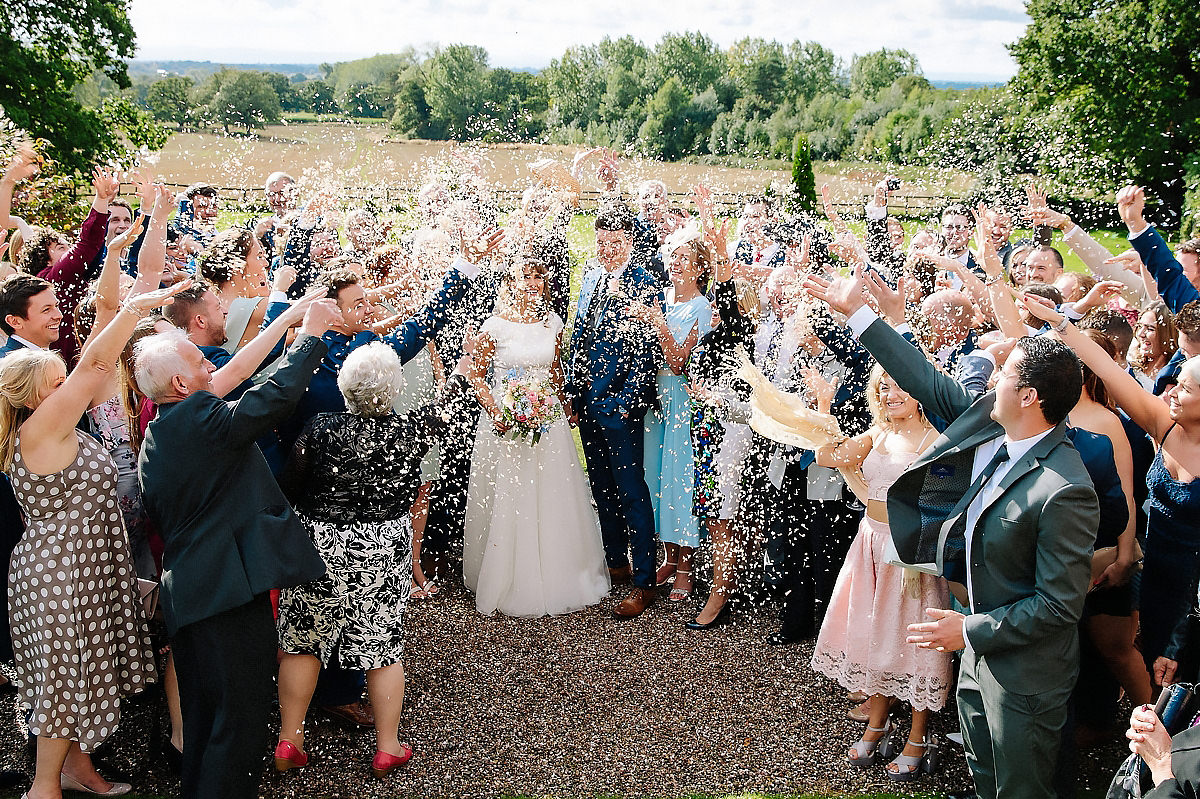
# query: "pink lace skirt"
x,y
861,644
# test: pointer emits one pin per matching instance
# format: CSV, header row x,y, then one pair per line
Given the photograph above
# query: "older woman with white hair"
x,y
352,477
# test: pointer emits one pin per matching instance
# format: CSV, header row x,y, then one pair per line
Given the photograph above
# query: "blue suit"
x,y
611,384
1176,290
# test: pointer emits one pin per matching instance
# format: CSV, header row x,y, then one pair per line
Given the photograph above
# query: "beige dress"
x,y
79,635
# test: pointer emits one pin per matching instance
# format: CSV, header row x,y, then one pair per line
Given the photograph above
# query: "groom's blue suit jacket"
x,y
614,358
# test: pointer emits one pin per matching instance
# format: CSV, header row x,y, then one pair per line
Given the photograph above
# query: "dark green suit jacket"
x,y
229,533
1031,552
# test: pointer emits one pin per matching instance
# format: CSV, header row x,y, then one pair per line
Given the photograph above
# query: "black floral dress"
x,y
353,480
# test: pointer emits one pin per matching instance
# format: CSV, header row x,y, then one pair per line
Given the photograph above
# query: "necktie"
x,y
954,560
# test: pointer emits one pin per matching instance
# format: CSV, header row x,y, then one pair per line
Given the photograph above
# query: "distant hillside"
x,y
202,69
965,84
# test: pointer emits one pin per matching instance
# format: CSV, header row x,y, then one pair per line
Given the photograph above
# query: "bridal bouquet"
x,y
528,403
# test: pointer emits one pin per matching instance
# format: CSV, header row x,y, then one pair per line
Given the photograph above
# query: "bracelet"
x,y
994,279
1062,326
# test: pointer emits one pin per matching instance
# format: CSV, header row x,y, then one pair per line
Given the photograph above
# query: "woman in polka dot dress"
x,y
79,635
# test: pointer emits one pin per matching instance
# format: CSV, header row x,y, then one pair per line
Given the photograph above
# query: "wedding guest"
x,y
670,471
1157,341
862,643
352,477
66,485
224,557
236,266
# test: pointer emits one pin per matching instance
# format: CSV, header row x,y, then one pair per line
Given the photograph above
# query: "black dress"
x,y
353,479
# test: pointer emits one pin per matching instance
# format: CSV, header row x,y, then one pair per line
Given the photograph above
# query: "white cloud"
x,y
950,37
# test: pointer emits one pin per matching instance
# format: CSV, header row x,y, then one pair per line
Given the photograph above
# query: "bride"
x,y
532,545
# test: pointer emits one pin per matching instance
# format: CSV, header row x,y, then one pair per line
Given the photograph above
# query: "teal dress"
x,y
670,471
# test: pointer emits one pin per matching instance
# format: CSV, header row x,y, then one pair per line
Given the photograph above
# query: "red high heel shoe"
x,y
383,762
287,756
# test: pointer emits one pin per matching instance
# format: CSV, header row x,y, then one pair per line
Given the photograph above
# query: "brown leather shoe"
x,y
621,576
638,600
359,713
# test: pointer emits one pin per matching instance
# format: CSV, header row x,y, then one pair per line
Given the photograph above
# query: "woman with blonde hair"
x,y
80,643
862,644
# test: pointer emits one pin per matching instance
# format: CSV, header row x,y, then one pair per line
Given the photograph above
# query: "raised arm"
x,y
50,430
108,285
1175,288
251,356
24,164
1148,411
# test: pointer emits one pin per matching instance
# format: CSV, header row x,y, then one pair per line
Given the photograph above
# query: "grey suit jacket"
x,y
1031,549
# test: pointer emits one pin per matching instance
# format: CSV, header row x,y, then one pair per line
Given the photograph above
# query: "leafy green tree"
x,y
239,98
691,58
454,80
874,72
812,69
516,104
574,85
1123,76
288,99
665,133
411,116
169,100
317,96
367,100
47,47
757,68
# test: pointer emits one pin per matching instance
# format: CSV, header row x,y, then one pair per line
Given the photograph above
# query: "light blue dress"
x,y
668,431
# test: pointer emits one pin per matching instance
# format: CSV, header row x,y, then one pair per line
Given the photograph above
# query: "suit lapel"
x,y
1027,463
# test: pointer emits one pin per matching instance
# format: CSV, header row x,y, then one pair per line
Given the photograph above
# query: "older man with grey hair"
x,y
230,538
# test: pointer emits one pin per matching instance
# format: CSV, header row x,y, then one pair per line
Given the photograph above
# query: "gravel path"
x,y
583,705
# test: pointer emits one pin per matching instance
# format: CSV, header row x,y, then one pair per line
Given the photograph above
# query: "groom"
x,y
611,385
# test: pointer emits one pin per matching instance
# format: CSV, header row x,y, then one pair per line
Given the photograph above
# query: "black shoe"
x,y
722,617
172,758
785,638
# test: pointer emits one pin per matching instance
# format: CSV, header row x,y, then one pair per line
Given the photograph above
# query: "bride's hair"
x,y
523,261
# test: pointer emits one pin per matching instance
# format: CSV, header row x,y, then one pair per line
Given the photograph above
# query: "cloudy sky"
x,y
954,39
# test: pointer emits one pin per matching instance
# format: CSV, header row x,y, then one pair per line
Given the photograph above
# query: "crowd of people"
x,y
955,467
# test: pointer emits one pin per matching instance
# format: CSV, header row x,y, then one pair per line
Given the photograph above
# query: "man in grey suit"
x,y
1003,504
230,537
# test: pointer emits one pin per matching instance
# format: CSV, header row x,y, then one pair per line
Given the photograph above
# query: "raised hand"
x,y
164,203
321,316
149,300
25,162
849,248
1040,212
295,313
831,213
123,240
1099,295
106,185
798,257
1131,204
1129,260
889,300
993,267
842,294
143,184
1041,308
820,390
475,251
283,278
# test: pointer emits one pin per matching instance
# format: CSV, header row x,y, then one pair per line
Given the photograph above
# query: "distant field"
x,y
364,154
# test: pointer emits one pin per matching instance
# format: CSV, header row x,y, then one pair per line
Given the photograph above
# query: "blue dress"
x,y
1172,555
668,459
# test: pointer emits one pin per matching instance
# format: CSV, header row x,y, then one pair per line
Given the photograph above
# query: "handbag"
x,y
1176,706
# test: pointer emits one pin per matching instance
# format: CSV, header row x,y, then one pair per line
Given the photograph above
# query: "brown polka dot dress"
x,y
78,632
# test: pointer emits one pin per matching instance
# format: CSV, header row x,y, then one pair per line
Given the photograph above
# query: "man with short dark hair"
x,y
1044,264
29,313
1003,505
610,386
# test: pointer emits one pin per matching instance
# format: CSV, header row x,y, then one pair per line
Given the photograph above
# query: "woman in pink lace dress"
x,y
862,640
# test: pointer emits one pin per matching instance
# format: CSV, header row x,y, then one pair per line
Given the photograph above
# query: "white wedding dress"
x,y
532,545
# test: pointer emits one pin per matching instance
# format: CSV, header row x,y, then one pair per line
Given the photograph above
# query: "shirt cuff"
x,y
1068,309
902,328
277,296
970,650
468,269
987,356
876,211
860,320
1141,232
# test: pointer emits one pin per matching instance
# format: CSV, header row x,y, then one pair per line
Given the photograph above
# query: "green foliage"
x,y
169,100
804,180
454,82
236,98
317,96
1120,79
48,198
874,72
47,48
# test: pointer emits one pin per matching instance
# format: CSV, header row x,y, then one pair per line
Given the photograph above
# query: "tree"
x,y
48,47
757,67
367,100
454,79
317,96
665,134
169,100
241,99
691,58
804,181
1124,78
574,85
873,72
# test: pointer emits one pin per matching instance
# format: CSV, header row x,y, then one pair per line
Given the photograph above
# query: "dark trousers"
x,y
815,538
448,498
617,473
225,665
11,530
1012,740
